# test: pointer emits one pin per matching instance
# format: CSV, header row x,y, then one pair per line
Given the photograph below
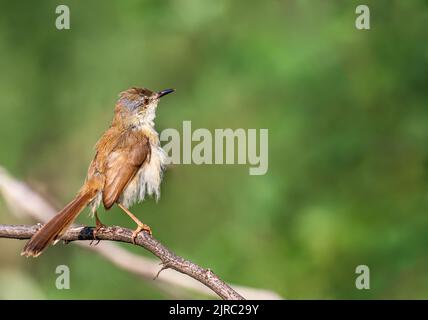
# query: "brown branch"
x,y
24,202
168,258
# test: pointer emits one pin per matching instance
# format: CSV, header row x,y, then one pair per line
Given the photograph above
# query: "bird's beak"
x,y
165,92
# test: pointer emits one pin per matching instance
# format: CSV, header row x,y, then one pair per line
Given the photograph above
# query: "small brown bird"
x,y
127,166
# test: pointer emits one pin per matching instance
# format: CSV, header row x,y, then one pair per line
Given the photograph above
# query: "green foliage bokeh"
x,y
348,129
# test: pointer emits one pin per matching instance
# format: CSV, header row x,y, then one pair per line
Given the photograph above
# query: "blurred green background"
x,y
347,116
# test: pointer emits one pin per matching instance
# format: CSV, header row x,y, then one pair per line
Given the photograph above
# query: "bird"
x,y
128,165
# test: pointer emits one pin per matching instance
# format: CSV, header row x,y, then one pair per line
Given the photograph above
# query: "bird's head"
x,y
137,106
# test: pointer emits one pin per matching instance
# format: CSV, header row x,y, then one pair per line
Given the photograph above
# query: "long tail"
x,y
56,226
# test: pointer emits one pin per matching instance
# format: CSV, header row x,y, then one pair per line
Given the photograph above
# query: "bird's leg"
x,y
98,225
140,226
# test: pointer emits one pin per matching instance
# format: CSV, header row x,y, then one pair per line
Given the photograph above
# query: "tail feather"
x,y
56,226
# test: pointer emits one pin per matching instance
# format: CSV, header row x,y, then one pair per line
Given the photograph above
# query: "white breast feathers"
x,y
147,180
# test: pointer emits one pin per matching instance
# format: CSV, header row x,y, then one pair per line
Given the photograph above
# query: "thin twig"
x,y
169,259
25,202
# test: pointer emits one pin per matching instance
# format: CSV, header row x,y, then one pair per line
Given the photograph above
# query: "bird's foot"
x,y
98,227
141,227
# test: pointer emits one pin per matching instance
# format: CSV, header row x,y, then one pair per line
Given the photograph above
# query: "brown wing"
x,y
122,164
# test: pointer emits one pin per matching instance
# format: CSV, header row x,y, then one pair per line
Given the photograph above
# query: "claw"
x,y
98,226
142,227
97,240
